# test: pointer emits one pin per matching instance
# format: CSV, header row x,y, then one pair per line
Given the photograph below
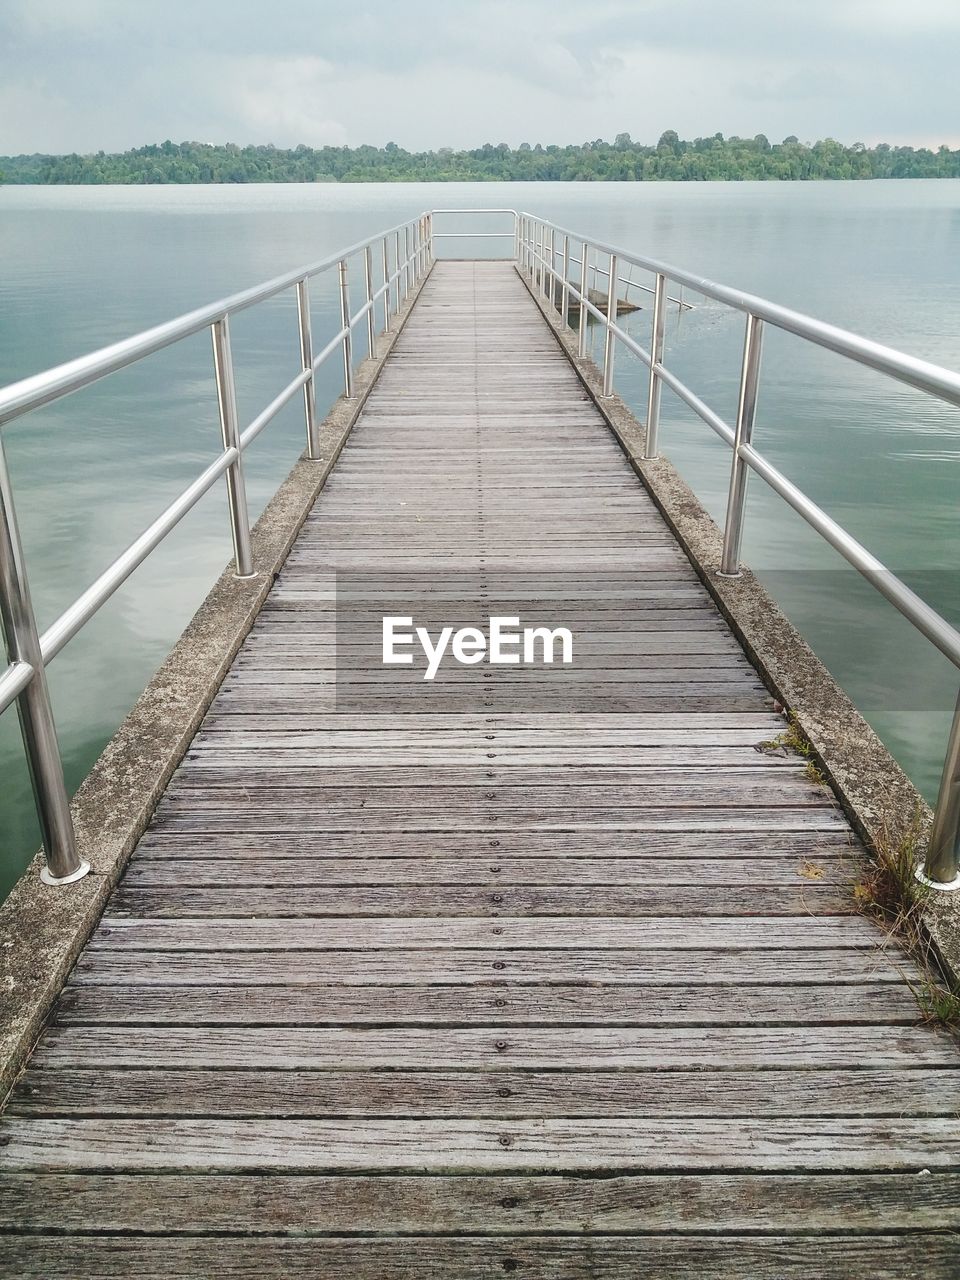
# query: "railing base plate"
x,y
49,878
951,886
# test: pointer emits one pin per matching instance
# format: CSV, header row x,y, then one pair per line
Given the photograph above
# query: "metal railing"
x,y
405,253
397,258
545,255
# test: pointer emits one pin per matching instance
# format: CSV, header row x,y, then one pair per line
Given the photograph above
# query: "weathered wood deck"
x,y
547,971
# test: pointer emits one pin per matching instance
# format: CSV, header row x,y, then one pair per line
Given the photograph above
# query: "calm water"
x,y
85,266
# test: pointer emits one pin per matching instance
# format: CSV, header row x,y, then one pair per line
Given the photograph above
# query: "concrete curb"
x,y
875,793
43,929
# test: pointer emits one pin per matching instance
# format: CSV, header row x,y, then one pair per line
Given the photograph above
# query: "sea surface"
x,y
84,266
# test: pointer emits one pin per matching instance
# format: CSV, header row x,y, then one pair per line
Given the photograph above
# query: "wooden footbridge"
x,y
539,969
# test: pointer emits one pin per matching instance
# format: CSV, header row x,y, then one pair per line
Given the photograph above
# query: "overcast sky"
x,y
81,75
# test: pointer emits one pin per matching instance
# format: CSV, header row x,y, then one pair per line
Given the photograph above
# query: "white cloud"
x,y
287,100
90,74
916,18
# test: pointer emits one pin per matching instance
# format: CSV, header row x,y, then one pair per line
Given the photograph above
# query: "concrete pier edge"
x,y
44,928
880,800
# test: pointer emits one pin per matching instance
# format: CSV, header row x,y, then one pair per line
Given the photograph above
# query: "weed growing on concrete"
x,y
813,774
938,1004
889,890
793,739
891,893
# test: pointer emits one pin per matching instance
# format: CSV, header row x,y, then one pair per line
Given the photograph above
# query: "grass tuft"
x,y
890,890
891,893
794,739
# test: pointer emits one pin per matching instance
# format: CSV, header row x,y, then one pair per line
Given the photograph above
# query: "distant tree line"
x,y
714,159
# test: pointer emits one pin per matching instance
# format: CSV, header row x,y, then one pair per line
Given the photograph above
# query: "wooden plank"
x,y
384,1205
185,1092
803,897
362,933
743,1145
586,842
184,871
635,738
456,965
763,789
531,1005
452,722
613,699
577,1047
934,1256
824,817
293,759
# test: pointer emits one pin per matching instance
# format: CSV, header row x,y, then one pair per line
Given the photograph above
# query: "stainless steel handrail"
x,y
537,255
42,388
536,250
24,680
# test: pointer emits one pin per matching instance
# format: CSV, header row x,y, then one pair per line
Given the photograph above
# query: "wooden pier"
x,y
539,969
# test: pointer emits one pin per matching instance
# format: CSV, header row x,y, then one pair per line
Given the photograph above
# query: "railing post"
x,y
746,413
516,238
656,358
37,726
306,363
368,282
608,346
386,284
407,280
539,236
415,243
347,335
565,294
230,434
582,324
941,869
396,267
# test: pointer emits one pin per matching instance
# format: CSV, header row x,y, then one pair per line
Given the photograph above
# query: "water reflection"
x,y
86,266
